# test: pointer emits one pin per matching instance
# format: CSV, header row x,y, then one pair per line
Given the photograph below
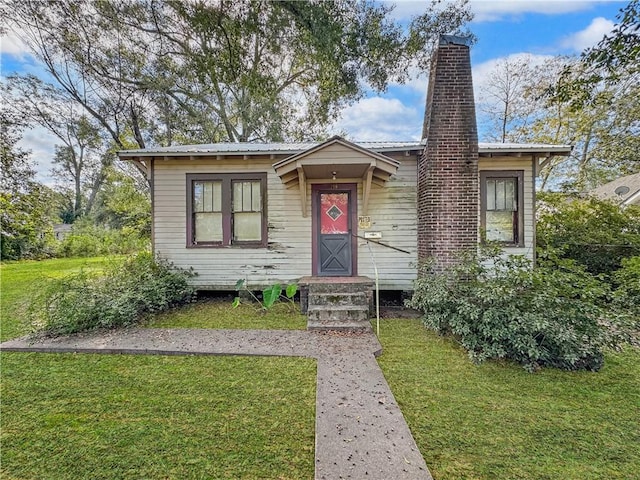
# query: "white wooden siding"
x,y
288,255
392,209
393,213
524,164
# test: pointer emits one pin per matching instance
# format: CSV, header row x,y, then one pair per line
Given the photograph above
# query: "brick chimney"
x,y
448,169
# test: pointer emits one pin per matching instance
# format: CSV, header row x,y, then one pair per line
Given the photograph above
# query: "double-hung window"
x,y
226,209
502,206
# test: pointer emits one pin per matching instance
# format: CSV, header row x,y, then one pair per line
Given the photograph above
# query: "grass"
x,y
128,416
102,416
106,416
497,421
18,280
218,313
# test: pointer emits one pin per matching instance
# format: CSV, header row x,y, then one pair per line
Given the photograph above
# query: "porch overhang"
x,y
312,166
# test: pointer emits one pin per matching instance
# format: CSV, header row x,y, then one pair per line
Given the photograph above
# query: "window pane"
x,y
491,194
198,194
500,194
499,226
237,196
510,195
217,196
208,227
246,197
247,227
256,197
207,196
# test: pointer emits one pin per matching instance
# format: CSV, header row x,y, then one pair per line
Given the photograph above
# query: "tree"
x,y
200,71
81,158
619,51
597,234
604,131
509,99
26,212
121,204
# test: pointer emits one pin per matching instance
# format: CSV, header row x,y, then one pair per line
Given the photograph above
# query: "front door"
x,y
334,243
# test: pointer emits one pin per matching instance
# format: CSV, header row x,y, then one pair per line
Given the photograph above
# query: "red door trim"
x,y
352,188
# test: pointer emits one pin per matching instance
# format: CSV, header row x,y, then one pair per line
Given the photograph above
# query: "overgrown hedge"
x,y
121,295
500,307
597,234
87,240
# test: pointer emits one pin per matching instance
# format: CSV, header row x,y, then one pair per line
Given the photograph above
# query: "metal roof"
x,y
293,148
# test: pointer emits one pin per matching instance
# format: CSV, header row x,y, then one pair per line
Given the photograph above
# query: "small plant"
x,y
270,295
121,295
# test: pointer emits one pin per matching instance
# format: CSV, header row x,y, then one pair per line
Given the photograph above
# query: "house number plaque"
x,y
364,222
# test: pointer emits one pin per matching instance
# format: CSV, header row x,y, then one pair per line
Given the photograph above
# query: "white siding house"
x,y
380,175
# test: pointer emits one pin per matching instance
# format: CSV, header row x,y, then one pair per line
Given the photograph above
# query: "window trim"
x,y
497,175
227,213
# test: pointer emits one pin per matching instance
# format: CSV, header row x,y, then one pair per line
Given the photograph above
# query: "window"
x,y
226,209
502,206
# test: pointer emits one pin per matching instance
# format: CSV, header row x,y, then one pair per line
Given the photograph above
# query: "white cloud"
x,y
41,144
380,119
417,81
493,10
12,44
588,37
405,9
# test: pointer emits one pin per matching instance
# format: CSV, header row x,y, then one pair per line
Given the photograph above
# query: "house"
x,y
62,230
623,191
283,211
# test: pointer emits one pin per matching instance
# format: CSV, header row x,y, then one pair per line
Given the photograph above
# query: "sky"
x,y
504,29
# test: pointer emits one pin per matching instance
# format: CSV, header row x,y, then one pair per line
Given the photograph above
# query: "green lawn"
x,y
103,416
496,421
20,280
127,416
179,417
218,313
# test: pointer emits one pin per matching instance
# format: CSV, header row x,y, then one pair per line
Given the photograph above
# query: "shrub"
x,y
625,307
499,307
627,281
595,233
121,296
87,240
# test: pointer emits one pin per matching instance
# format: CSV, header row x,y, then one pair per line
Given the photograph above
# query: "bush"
x,y
121,296
595,233
625,307
87,240
499,307
627,282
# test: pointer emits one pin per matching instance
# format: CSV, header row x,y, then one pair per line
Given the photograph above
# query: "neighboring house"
x,y
282,211
61,230
624,190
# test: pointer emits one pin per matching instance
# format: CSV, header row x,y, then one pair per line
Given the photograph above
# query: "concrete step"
x,y
339,313
340,287
338,299
340,327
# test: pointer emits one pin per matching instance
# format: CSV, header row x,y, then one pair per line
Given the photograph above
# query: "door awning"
x,y
336,161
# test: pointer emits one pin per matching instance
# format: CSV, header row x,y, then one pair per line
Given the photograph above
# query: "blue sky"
x,y
503,28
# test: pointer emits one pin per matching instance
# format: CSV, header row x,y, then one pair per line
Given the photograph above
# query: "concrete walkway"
x,y
360,430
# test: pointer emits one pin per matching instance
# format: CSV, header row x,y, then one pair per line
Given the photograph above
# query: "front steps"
x,y
337,303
